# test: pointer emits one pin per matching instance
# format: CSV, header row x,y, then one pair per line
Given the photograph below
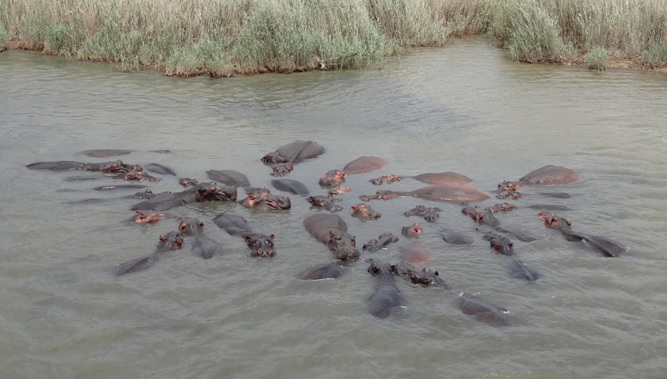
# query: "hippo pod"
x,y
202,193
331,230
260,245
167,242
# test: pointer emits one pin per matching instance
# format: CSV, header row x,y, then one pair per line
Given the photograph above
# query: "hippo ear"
x,y
270,239
182,227
162,238
201,224
249,240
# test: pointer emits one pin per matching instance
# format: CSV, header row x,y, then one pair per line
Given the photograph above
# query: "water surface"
x,y
463,108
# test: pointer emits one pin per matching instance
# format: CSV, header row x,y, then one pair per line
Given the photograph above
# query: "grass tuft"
x,y
596,59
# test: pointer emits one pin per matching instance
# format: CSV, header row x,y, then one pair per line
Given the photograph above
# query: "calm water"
x,y
463,108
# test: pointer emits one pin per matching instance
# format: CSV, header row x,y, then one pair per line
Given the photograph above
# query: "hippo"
x,y
519,234
549,207
430,214
480,217
456,238
324,202
260,245
451,193
546,175
113,187
203,247
289,185
331,230
387,297
332,192
159,169
331,270
294,152
282,169
500,244
601,245
139,176
412,231
414,253
333,178
202,193
424,277
105,153
188,182
482,311
442,178
150,217
74,166
386,179
364,164
169,241
228,177
500,207
520,270
261,199
364,212
381,242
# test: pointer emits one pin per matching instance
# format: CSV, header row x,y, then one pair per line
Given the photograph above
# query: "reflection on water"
x,y
463,108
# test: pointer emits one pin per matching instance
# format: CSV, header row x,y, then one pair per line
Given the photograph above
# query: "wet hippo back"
x,y
453,193
364,164
551,174
442,178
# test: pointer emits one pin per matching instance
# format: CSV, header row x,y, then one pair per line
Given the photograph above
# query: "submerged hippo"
x,y
601,245
424,277
261,199
482,311
294,152
169,241
414,253
150,217
228,177
412,231
289,185
442,178
105,153
202,193
324,202
331,270
519,270
108,167
364,212
451,193
430,214
386,297
159,169
364,164
333,178
381,242
203,247
260,245
331,230
500,244
549,174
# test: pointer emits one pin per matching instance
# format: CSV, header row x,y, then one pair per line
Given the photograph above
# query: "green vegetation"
x,y
596,59
223,37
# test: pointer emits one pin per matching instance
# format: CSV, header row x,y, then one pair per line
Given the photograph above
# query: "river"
x,y
463,108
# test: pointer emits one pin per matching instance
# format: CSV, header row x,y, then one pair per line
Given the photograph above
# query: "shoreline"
x,y
318,64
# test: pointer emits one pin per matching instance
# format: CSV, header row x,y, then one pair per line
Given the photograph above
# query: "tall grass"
x,y
222,37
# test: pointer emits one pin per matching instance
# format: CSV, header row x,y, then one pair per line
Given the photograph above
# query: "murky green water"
x,y
464,108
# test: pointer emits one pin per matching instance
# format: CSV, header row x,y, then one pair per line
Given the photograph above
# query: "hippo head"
x,y
412,231
333,178
260,245
170,241
374,268
274,157
282,169
343,246
214,192
508,186
190,226
188,182
426,278
143,218
500,244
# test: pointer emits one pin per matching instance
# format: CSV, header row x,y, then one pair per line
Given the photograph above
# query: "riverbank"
x,y
226,37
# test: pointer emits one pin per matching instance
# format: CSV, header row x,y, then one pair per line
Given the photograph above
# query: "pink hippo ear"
x,y
270,239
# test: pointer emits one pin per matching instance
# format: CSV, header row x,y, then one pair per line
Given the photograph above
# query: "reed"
x,y
223,37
